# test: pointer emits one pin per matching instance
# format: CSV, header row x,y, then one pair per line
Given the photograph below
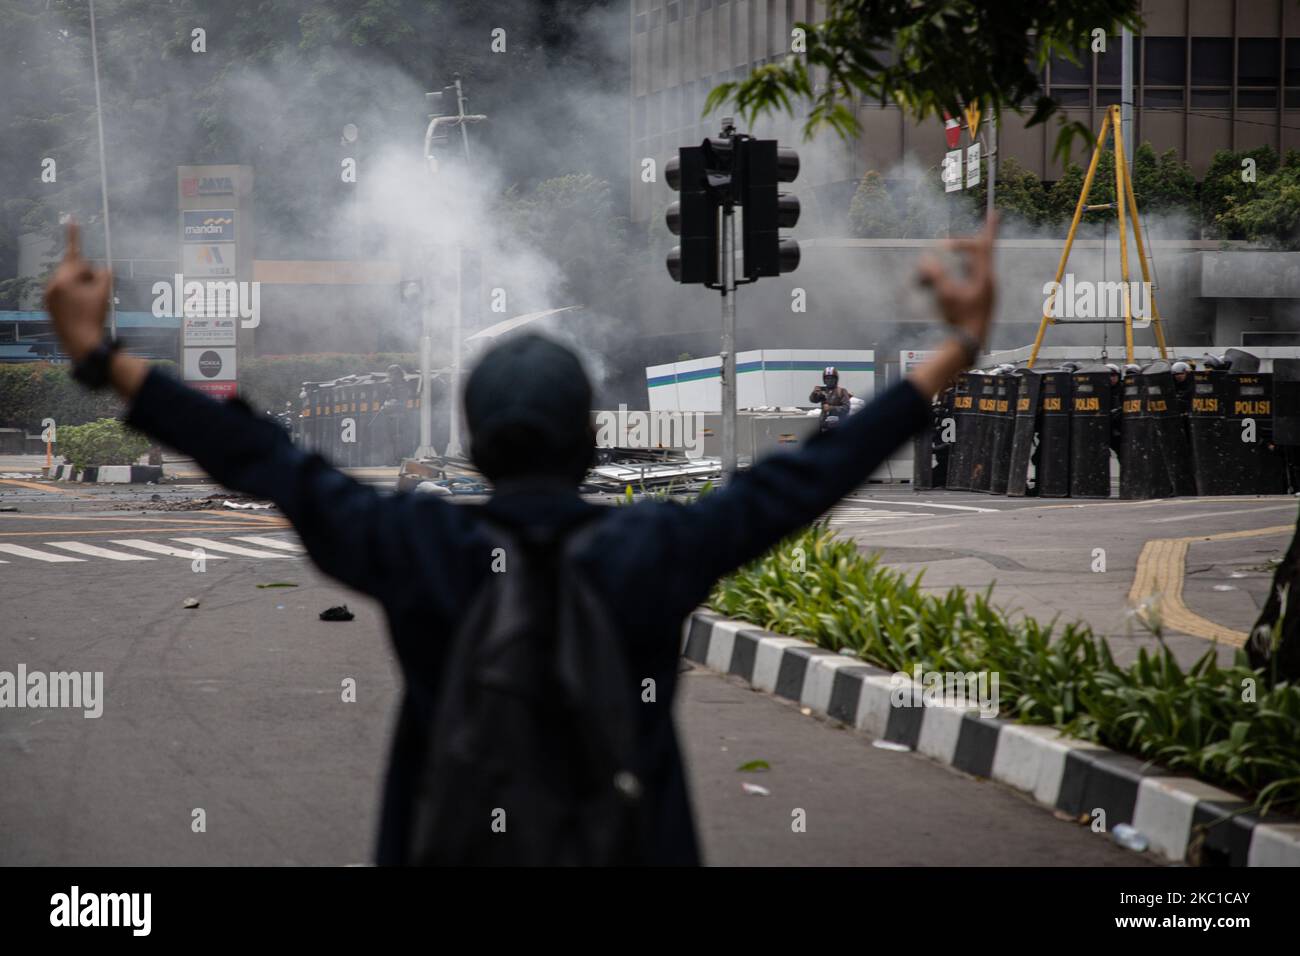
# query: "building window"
x,y
1070,96
1065,73
640,23
1257,99
1166,61
674,11
1110,65
1212,72
1162,99
1257,62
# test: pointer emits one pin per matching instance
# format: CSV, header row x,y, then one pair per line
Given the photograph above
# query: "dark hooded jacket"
x,y
423,558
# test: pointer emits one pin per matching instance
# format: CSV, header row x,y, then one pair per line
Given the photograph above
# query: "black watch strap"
x,y
93,370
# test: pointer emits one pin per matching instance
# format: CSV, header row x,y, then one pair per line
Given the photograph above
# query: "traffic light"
x,y
693,217
763,165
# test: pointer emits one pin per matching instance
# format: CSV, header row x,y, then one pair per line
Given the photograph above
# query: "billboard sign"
x,y
208,225
208,259
209,364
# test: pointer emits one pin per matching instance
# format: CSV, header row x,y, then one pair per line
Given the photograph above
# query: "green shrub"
x,y
104,442
1193,721
32,392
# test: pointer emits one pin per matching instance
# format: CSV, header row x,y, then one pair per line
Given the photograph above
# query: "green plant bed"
x,y
103,442
1199,721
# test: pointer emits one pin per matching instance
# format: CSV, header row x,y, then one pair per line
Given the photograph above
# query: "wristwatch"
x,y
93,369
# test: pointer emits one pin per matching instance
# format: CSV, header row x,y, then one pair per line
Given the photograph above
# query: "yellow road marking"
x,y
1159,575
38,487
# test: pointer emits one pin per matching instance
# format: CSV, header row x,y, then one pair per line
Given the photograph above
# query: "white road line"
x,y
931,504
207,544
156,548
77,547
269,542
922,530
1194,515
22,552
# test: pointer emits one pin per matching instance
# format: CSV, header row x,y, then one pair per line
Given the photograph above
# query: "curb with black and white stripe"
x,y
113,474
1066,774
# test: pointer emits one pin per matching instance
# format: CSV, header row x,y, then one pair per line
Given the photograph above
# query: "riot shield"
x,y
1138,454
1023,428
1160,406
1241,361
1206,426
1090,433
923,459
981,469
1053,465
963,414
1286,401
1169,427
1257,464
1003,431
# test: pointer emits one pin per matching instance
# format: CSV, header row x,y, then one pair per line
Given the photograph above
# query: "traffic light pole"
x,y
727,273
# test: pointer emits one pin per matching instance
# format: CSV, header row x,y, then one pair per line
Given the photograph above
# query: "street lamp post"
x,y
461,119
103,174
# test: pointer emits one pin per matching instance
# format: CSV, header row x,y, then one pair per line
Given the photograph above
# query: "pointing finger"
x,y
72,254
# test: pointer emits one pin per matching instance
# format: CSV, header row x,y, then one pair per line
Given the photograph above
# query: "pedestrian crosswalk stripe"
x,y
23,552
167,549
269,542
78,547
208,544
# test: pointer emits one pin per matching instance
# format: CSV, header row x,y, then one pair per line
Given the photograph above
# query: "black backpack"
x,y
532,757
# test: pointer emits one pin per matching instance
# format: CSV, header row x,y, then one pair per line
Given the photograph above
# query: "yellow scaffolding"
x,y
1124,203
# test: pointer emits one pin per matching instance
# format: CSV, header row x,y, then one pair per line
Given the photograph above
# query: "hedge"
x,y
1232,726
32,392
103,442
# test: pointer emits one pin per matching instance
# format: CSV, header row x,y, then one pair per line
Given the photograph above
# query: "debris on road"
x,y
650,470
755,790
278,584
340,613
1129,837
456,485
754,765
890,745
190,603
245,505
8,507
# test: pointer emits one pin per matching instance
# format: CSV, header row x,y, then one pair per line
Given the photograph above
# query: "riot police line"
x,y
368,419
1223,429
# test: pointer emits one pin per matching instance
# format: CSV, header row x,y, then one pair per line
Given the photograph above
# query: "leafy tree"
x,y
927,56
1021,197
872,214
1269,214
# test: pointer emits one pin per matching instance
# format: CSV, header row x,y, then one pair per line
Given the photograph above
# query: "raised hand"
x,y
77,299
966,302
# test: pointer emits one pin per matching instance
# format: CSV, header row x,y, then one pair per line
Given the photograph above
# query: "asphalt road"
x,y
235,709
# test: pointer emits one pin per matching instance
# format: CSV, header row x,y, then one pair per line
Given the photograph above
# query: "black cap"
x,y
528,407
